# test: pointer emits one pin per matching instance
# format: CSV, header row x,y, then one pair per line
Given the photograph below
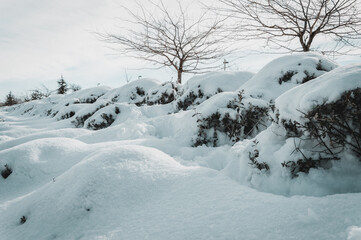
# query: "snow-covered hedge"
x,y
314,140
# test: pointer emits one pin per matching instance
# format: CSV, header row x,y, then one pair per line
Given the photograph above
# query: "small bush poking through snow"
x,y
108,119
81,118
103,118
253,157
286,76
163,94
67,115
23,220
308,76
289,74
191,99
139,93
303,165
5,173
200,88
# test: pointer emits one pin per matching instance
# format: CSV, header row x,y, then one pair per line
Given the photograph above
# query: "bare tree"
x,y
286,22
171,38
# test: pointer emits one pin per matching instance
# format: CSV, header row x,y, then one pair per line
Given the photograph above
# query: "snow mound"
x,y
163,94
200,88
133,92
37,162
121,177
103,118
286,72
89,95
87,110
323,90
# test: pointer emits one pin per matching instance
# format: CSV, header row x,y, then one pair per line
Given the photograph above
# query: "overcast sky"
x,y
40,40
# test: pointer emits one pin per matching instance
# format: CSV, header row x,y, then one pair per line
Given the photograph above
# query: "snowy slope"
x,y
119,163
119,191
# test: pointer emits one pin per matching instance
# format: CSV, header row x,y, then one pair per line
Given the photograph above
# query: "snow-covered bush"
x,y
200,88
228,118
314,139
162,94
134,92
87,111
329,130
286,72
103,118
68,111
326,116
89,95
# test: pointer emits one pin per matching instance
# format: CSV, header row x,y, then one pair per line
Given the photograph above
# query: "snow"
x,y
354,233
275,147
325,89
130,92
140,178
266,83
227,81
208,85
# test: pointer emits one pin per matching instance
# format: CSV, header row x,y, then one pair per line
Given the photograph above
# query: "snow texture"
x,y
118,163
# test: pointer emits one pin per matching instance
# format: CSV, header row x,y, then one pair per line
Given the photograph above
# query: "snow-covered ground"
x,y
122,163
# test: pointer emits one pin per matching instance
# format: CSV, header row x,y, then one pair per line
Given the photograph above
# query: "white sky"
x,y
40,40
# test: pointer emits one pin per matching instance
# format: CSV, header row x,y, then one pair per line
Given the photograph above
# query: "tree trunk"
x,y
180,72
305,47
179,79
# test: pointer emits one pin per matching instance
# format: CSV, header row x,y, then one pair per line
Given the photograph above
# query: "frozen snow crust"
x,y
122,163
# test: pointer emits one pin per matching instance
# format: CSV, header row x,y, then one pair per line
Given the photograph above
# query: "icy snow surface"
x,y
139,177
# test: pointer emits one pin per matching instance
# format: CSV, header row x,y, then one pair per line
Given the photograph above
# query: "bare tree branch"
x,y
282,22
171,39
